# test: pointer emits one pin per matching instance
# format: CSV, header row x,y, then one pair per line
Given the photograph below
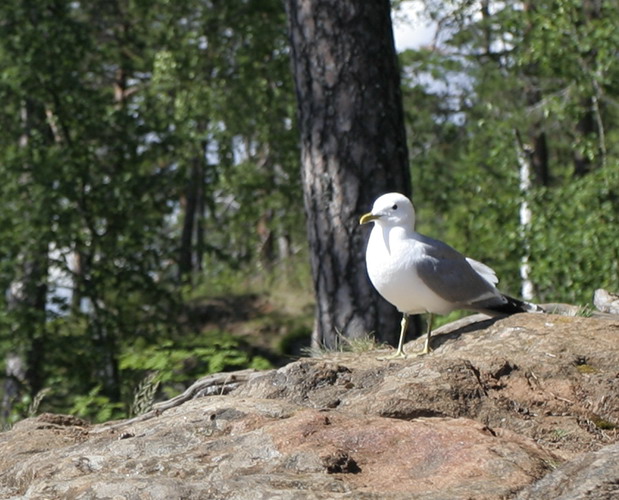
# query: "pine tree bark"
x,y
353,148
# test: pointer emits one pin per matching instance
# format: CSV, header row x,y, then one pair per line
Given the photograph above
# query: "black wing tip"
x,y
515,306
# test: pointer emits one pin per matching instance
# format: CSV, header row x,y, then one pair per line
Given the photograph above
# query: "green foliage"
x,y
575,237
194,357
547,70
95,406
113,117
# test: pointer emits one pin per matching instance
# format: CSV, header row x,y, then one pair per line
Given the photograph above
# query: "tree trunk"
x,y
191,250
539,159
585,127
35,299
189,204
353,148
28,295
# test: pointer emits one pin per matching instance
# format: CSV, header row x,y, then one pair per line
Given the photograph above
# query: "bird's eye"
x,y
394,207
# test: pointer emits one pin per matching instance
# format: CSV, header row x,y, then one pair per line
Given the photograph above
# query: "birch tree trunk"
x,y
353,148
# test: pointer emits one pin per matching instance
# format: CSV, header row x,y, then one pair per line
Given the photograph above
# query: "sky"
x,y
409,30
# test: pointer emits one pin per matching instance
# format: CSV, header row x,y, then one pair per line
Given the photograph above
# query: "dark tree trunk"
x,y
585,128
27,300
353,148
590,123
35,287
539,159
200,215
538,144
191,249
189,205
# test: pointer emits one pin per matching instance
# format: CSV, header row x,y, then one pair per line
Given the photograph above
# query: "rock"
x,y
606,302
487,415
222,447
550,378
592,476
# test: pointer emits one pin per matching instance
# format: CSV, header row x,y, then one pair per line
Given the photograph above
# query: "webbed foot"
x,y
399,354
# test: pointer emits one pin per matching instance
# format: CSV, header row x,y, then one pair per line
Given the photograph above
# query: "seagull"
x,y
418,274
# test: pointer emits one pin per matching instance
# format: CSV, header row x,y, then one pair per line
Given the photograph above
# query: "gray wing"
x,y
449,274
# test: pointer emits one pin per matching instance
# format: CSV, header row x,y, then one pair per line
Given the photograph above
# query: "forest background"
x,y
150,169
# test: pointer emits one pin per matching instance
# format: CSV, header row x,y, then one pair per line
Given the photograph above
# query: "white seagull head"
x,y
391,209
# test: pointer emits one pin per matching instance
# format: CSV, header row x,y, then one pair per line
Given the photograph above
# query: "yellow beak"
x,y
369,217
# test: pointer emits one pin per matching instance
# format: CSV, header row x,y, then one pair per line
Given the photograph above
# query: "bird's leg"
x,y
400,352
426,347
403,328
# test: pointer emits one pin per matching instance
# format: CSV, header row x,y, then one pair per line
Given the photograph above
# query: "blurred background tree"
x,y
147,150
542,71
151,228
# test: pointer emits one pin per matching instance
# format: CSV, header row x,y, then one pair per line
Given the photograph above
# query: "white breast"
x,y
390,260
